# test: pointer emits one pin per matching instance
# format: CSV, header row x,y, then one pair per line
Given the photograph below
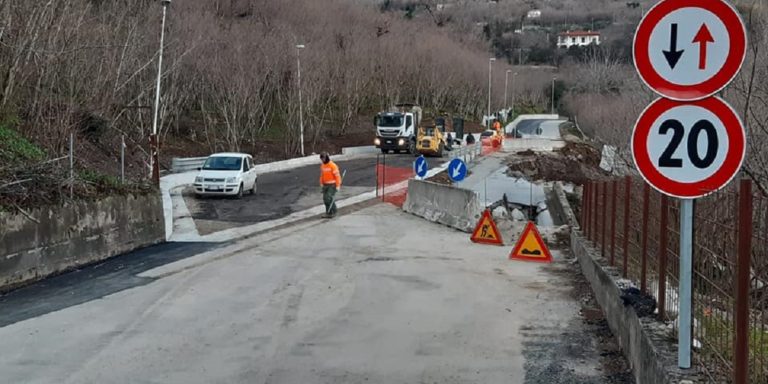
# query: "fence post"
x,y
71,165
595,211
741,316
377,175
583,208
613,220
605,216
644,245
122,159
627,196
588,210
383,176
663,236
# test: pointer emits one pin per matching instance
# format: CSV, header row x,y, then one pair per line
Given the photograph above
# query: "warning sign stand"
x,y
486,231
530,246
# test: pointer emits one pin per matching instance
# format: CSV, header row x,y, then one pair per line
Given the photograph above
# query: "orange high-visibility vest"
x,y
329,174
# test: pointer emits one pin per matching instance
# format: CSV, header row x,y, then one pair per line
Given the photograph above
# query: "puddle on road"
x,y
519,192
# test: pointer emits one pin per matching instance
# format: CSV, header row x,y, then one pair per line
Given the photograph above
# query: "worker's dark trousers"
x,y
329,191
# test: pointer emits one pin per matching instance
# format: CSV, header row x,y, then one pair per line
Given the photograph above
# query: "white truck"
x,y
397,128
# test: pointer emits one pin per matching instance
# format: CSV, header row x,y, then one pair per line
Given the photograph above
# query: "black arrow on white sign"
x,y
673,55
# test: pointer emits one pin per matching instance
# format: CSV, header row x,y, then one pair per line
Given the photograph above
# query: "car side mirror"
x,y
199,168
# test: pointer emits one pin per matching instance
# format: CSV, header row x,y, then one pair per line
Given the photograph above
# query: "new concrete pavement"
x,y
376,296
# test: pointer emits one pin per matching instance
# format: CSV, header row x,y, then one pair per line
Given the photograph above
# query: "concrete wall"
x,y
75,234
643,340
455,207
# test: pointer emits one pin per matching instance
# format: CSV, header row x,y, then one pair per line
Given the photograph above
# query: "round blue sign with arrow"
x,y
457,170
420,166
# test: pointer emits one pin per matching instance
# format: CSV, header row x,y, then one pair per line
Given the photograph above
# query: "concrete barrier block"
x,y
455,207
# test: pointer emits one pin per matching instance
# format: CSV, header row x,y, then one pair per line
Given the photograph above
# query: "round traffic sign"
x,y
457,170
688,149
420,166
689,49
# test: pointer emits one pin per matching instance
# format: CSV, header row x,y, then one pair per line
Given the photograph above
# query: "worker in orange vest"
x,y
497,126
330,182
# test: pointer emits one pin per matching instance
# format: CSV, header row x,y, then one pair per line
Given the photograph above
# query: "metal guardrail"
x,y
186,164
467,152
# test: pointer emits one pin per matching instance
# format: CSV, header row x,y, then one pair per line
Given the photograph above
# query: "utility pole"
x,y
506,84
154,140
490,72
553,94
299,47
513,92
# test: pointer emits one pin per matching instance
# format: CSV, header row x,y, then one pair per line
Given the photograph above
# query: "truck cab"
x,y
396,129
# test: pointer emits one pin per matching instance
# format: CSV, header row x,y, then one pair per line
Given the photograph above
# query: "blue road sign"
x,y
457,170
420,166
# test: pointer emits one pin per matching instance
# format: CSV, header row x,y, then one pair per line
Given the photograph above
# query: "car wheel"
x,y
253,190
412,148
440,150
240,191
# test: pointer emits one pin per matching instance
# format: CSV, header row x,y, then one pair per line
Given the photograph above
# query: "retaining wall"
x,y
644,341
75,234
455,207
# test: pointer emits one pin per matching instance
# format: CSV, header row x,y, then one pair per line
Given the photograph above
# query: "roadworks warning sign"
x,y
486,231
530,246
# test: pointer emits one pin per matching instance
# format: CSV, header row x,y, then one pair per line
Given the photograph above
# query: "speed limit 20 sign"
x,y
688,149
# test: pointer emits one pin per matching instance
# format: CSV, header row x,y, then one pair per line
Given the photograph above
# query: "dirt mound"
x,y
557,167
582,152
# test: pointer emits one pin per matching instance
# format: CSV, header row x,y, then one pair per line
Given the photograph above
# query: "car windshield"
x,y
223,163
487,133
391,121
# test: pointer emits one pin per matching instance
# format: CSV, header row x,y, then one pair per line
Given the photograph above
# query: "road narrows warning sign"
x,y
486,231
531,247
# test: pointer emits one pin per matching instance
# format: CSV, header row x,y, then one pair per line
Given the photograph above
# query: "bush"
x,y
15,149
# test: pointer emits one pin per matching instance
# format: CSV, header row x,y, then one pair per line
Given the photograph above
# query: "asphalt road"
x,y
279,194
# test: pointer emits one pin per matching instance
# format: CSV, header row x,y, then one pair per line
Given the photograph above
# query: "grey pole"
x,y
490,70
154,155
686,269
71,165
299,47
553,94
506,87
122,160
513,92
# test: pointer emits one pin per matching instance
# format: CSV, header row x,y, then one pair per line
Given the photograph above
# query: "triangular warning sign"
x,y
486,231
531,247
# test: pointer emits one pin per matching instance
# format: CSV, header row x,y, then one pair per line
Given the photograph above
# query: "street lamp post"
x,y
490,70
154,141
506,87
512,109
553,94
299,47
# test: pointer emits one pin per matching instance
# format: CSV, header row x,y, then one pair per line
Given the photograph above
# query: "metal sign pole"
x,y
686,271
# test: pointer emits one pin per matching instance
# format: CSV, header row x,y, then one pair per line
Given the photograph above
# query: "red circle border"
x,y
734,156
733,63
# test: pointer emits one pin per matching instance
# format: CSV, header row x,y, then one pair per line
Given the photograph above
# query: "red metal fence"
x,y
637,231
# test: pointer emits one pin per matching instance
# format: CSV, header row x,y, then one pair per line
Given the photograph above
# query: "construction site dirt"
x,y
575,163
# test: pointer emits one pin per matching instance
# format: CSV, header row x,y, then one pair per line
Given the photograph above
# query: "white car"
x,y
226,174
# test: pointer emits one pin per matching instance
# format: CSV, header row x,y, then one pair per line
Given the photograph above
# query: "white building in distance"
x,y
579,38
534,14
